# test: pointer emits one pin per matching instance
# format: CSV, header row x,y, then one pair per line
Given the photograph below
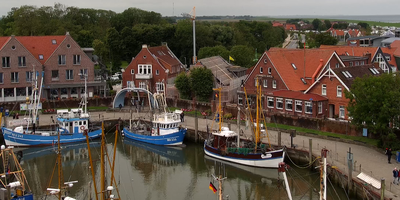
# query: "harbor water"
x,y
148,172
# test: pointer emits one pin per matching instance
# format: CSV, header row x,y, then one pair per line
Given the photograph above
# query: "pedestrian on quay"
x,y
395,176
182,117
389,154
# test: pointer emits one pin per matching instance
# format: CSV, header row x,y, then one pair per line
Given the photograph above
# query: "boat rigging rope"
x,y
303,167
333,188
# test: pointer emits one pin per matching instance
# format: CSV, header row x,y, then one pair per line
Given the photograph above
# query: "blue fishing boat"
x,y
164,129
72,125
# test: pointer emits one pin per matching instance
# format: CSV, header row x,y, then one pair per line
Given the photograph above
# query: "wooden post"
x,y
220,188
279,138
383,189
350,165
310,153
196,127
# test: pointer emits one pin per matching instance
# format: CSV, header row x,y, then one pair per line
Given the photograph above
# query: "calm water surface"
x,y
147,172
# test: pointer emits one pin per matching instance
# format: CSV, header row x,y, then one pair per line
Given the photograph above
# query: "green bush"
x,y
228,116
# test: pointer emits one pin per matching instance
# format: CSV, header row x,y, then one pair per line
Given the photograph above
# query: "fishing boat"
x,y
225,144
164,129
14,185
70,123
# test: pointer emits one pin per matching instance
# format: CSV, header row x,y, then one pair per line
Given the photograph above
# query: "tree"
x,y
328,24
316,24
219,50
243,55
374,104
202,80
113,43
325,39
182,83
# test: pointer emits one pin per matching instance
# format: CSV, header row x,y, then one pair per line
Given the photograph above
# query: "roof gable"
x,y
352,50
41,45
165,54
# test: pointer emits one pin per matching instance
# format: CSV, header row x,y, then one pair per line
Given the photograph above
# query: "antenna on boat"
x,y
84,99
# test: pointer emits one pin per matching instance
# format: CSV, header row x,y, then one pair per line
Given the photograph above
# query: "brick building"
x,y
61,59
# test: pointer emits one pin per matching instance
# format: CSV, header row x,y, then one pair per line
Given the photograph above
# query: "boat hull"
x,y
270,159
25,197
171,139
13,138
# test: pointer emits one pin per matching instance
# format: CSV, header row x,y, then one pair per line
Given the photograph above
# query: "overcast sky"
x,y
228,7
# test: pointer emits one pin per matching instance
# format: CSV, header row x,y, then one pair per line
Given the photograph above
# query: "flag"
x,y
230,58
212,188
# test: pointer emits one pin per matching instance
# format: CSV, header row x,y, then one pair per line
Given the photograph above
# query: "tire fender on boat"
x,y
82,128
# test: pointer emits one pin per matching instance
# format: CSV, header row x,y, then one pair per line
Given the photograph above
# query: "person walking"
x,y
395,176
389,154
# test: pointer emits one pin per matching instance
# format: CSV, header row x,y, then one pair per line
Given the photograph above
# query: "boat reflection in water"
x,y
39,163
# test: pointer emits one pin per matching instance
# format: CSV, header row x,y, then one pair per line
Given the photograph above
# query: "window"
x,y
274,84
145,69
61,60
339,91
269,70
337,65
6,61
157,72
255,82
308,105
374,71
29,76
357,63
132,71
323,89
299,106
70,74
362,63
265,83
83,73
40,56
9,92
270,102
319,107
142,85
387,58
350,64
77,59
54,41
54,75
14,77
21,91
341,112
21,61
74,91
160,86
294,66
279,103
1,78
289,104
261,70
64,91
240,100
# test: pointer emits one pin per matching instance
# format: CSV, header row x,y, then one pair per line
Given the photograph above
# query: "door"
x,y
331,110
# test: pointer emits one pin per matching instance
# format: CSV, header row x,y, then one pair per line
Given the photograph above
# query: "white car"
x,y
114,78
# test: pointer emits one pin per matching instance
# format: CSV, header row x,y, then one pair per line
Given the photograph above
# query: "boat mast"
x,y
282,169
59,165
322,193
219,109
102,167
91,161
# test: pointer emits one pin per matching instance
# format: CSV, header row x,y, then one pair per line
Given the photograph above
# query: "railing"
x,y
143,76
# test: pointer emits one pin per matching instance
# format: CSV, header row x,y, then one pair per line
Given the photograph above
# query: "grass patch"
x,y
369,141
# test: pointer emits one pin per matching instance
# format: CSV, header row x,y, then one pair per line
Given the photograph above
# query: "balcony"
x,y
143,76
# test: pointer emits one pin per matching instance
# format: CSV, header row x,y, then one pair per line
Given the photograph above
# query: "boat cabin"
x,y
74,121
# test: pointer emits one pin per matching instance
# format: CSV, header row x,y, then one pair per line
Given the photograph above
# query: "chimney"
x,y
144,46
164,44
67,33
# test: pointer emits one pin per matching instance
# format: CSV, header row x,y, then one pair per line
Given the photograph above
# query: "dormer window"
x,y
40,57
54,41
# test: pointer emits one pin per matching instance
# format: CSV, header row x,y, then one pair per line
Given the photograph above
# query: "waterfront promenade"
x,y
368,160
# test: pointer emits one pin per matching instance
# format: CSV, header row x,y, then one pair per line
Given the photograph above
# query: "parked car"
x,y
114,78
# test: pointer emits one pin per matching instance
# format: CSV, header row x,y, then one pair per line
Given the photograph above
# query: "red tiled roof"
x,y
165,54
275,24
337,32
3,41
354,32
282,60
290,27
391,52
298,95
351,50
41,45
395,44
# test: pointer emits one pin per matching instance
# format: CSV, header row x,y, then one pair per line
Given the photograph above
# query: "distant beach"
x,y
375,18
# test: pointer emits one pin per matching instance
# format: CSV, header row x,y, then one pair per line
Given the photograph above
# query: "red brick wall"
x,y
144,57
31,61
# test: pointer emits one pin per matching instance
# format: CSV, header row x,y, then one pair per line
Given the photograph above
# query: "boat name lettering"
x,y
171,139
17,135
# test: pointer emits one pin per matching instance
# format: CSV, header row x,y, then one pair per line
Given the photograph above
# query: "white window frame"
x,y
279,100
269,70
288,102
240,100
261,70
157,72
319,107
145,69
69,74
323,88
274,84
339,92
62,60
29,75
77,59
55,78
265,83
350,64
14,77
337,65
160,86
21,61
1,78
83,72
308,104
362,63
132,71
6,61
298,102
341,112
270,99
